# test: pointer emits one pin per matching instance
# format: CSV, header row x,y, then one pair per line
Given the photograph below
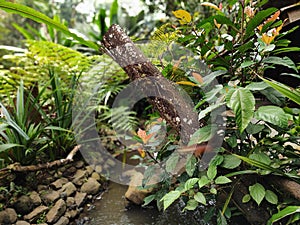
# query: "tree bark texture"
x,y
166,98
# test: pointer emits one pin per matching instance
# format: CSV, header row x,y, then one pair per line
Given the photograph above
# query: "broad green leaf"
x,y
285,61
211,172
199,197
191,165
203,181
222,180
231,162
257,192
212,76
254,128
247,64
41,18
261,157
271,197
272,114
169,198
246,198
283,213
148,199
172,162
257,20
209,109
189,184
257,86
5,147
287,91
191,204
213,191
203,134
242,102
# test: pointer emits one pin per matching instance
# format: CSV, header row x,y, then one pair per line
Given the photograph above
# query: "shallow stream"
x,y
111,210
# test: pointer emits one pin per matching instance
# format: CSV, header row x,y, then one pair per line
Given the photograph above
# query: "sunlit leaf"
x,y
199,197
222,180
169,198
272,114
271,197
211,5
283,213
183,16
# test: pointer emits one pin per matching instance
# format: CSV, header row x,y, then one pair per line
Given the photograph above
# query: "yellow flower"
x,y
217,24
211,5
183,16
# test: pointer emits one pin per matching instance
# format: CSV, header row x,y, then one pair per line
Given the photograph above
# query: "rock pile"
x,y
60,202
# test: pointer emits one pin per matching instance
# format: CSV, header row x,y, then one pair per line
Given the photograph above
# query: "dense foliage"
x,y
236,40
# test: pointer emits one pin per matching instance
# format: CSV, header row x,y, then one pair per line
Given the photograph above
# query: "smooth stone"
x,y
49,196
35,198
22,222
36,213
80,198
89,169
79,164
56,211
96,176
70,201
23,205
79,177
8,216
92,186
59,183
62,221
68,189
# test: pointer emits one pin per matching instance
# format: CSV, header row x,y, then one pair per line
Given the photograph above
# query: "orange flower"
x,y
142,152
249,11
144,136
271,19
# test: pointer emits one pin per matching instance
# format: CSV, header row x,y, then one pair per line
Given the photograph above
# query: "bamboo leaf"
x,y
30,13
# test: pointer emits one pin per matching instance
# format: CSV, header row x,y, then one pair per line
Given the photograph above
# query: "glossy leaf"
x,y
199,197
203,181
222,180
285,61
191,204
287,91
246,198
272,114
169,198
242,102
271,197
211,172
257,192
189,184
231,162
283,213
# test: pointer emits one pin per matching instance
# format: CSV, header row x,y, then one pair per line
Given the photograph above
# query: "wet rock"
x,y
89,169
80,198
23,205
59,183
70,201
71,214
36,213
35,198
133,193
68,189
41,187
62,221
79,177
8,216
56,211
96,176
98,169
92,186
22,222
49,196
79,164
69,172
